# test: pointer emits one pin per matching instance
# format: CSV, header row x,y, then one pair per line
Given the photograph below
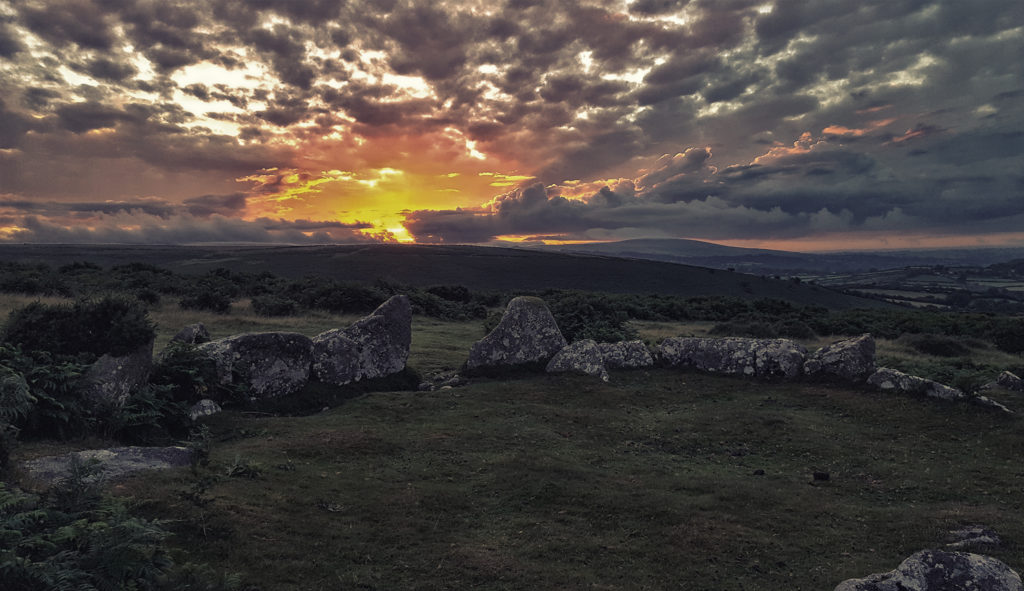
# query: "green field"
x,y
552,482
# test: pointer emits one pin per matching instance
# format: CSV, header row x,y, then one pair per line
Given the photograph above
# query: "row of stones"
x,y
528,333
275,364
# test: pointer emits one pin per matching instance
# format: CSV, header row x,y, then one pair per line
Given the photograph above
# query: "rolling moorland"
x,y
657,479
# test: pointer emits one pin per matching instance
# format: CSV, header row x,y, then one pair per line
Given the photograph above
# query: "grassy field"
x,y
659,479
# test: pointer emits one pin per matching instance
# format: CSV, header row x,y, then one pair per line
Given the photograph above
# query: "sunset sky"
x,y
795,124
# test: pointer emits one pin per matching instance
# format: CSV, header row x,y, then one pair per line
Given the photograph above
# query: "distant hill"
x,y
475,267
758,261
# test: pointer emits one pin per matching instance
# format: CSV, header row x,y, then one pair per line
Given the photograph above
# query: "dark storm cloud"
x,y
9,43
82,117
207,205
75,21
776,117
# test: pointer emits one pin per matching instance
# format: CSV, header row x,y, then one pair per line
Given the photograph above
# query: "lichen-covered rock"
x,y
1006,380
935,570
887,379
733,355
372,347
527,333
203,408
849,359
891,380
270,364
580,357
626,355
193,334
115,462
111,380
1010,381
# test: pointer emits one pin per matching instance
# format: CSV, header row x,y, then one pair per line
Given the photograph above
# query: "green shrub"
x,y
274,305
113,324
452,293
589,316
1009,336
937,345
218,302
188,375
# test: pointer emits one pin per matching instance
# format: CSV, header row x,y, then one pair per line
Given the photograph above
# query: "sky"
x,y
794,124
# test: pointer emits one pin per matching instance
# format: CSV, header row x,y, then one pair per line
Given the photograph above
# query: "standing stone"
x,y
850,359
270,364
111,380
626,355
760,358
527,333
580,357
935,570
372,347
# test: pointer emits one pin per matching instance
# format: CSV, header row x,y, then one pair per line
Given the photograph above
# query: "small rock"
x,y
193,334
203,408
892,380
822,476
759,472
935,570
1010,381
1007,381
972,535
116,462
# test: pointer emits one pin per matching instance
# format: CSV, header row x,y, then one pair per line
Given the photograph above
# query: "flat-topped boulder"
x,y
582,357
626,355
527,333
372,347
935,570
112,379
849,359
269,364
115,462
762,358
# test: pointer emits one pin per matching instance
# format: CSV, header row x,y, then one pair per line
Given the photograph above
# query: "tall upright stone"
x,y
372,347
527,333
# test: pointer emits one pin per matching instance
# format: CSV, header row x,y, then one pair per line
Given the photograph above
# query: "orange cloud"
x,y
846,131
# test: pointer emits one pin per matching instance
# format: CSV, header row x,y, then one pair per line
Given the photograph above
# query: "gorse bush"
x,y
114,324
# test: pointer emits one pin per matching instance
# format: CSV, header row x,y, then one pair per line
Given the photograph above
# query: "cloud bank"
x,y
343,120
